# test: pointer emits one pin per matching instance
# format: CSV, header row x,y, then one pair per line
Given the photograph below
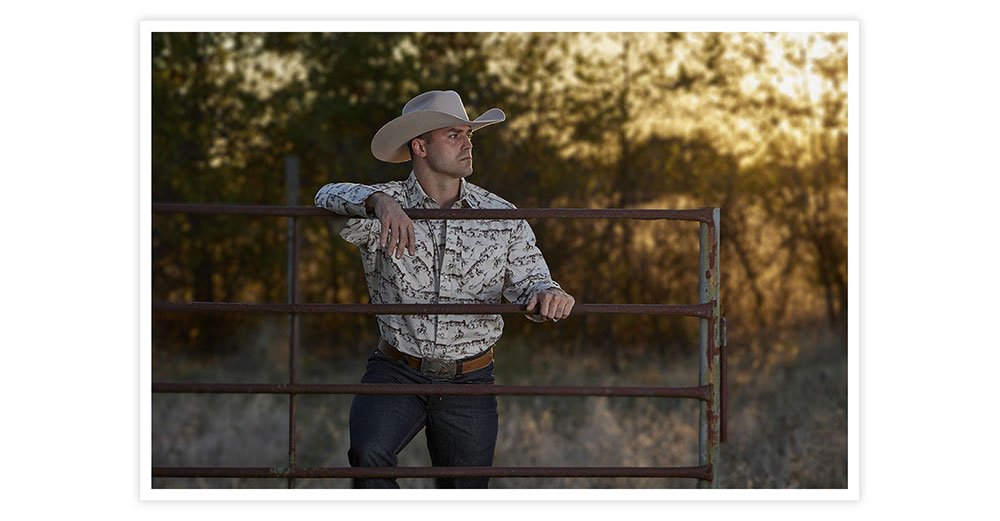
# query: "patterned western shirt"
x,y
456,261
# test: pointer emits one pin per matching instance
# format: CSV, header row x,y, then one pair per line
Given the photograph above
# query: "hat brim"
x,y
390,143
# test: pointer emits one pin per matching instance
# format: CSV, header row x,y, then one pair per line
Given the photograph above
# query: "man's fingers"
x,y
569,307
397,237
396,241
408,242
413,238
546,310
564,305
552,305
393,240
403,240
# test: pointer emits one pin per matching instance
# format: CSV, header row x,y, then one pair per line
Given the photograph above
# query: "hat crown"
x,y
447,101
426,112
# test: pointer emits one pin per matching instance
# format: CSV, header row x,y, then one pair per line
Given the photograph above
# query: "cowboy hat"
x,y
428,111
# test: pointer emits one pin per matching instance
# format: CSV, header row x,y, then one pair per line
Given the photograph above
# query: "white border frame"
x,y
147,27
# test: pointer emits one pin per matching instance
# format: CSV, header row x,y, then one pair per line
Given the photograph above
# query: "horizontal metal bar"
x,y
703,392
699,214
692,310
702,472
240,209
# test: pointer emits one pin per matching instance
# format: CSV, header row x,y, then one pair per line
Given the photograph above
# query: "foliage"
x,y
753,123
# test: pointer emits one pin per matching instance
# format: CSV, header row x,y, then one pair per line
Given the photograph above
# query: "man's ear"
x,y
417,147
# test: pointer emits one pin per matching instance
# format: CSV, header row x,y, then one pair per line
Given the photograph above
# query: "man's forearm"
x,y
347,199
373,200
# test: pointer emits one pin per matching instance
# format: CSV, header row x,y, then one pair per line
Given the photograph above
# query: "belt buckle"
x,y
438,367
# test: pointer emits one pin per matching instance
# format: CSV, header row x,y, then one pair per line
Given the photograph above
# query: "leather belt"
x,y
438,367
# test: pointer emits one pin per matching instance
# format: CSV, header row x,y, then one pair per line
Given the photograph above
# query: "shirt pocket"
x,y
484,258
412,276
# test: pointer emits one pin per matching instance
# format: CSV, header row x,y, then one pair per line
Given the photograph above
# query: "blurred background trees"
x,y
754,123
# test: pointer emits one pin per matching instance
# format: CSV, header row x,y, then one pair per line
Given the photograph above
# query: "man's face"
x,y
449,151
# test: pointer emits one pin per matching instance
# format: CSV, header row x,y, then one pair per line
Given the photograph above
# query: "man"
x,y
436,261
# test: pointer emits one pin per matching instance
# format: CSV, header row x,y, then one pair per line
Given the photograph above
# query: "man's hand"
x,y
397,227
554,303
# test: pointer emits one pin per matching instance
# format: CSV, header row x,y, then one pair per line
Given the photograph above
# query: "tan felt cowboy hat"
x,y
428,111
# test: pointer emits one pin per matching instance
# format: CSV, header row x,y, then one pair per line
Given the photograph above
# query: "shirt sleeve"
x,y
526,272
348,199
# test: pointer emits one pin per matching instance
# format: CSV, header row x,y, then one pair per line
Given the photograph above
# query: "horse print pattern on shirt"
x,y
456,262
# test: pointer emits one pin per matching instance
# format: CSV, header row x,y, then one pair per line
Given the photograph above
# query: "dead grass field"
x,y
787,423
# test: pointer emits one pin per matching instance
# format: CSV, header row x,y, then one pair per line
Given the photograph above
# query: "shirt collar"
x,y
417,197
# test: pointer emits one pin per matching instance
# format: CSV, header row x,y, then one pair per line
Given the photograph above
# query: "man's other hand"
x,y
397,227
553,303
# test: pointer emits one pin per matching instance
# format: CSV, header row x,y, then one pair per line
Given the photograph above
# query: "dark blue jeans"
x,y
461,430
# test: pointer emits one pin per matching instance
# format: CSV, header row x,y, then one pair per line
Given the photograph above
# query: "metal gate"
x,y
711,391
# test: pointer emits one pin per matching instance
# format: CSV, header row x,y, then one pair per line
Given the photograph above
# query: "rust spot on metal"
x,y
713,434
711,349
279,472
712,417
713,246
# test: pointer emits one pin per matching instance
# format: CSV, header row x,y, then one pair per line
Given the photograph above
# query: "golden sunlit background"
x,y
754,123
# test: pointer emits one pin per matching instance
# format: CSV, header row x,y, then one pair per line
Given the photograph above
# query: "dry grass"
x,y
787,424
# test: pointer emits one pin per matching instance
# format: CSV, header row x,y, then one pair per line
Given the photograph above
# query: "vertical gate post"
x,y
708,348
292,197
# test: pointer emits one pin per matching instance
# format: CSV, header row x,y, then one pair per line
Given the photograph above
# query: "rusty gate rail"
x,y
702,472
700,214
701,392
698,310
711,391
